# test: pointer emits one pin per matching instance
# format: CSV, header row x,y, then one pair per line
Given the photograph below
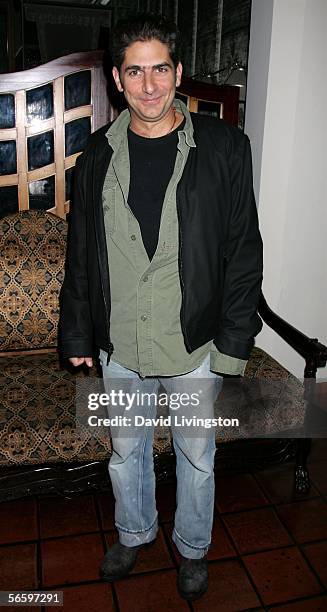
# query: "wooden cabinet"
x,y
220,101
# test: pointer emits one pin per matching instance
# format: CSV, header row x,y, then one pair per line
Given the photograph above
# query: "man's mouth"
x,y
150,101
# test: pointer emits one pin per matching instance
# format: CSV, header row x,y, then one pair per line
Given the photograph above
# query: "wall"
x,y
257,81
285,117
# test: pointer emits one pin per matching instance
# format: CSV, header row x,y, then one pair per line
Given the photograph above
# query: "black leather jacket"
x,y
220,248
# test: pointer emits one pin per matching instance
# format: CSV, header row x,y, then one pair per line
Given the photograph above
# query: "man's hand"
x,y
77,361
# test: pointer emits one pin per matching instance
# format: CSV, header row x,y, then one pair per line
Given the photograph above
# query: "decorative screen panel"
x,y
45,126
77,89
8,158
69,178
76,135
40,149
42,193
7,111
39,103
8,200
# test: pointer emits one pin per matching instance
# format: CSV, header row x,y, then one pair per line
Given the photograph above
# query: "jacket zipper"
x,y
187,341
110,345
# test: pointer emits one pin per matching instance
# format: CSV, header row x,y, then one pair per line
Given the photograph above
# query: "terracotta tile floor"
x,y
269,548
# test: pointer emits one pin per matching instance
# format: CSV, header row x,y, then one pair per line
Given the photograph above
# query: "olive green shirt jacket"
x,y
146,295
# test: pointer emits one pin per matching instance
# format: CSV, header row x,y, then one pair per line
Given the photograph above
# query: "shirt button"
x,y
144,318
133,237
145,279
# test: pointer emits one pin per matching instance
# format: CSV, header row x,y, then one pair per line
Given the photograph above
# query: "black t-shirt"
x,y
152,163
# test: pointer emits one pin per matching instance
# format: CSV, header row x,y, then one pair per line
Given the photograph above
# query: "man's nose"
x,y
148,82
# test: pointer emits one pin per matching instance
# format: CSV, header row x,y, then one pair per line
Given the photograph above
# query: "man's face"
x,y
148,79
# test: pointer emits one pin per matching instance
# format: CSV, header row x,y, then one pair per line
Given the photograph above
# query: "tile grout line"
x,y
169,546
99,581
254,586
173,558
292,501
215,561
293,538
249,472
296,600
51,538
297,545
313,570
104,544
38,547
38,544
227,512
100,531
227,534
272,506
262,488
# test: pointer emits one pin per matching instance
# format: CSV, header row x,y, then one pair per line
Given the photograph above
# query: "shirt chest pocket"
x,y
109,201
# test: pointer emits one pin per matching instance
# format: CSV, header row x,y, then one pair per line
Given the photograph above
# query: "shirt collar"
x,y
118,129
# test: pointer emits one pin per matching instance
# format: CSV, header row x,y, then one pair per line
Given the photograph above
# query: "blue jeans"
x,y
131,464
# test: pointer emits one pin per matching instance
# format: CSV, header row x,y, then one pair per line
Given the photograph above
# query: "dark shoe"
x,y
192,578
119,561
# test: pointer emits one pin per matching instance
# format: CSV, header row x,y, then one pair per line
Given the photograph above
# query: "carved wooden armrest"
x,y
313,351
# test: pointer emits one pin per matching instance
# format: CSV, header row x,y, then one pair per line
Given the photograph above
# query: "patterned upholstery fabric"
x,y
32,248
37,395
271,403
38,414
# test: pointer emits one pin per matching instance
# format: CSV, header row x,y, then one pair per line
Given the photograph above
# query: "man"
x,y
164,270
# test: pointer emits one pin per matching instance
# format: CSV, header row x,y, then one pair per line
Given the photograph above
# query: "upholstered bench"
x,y
41,447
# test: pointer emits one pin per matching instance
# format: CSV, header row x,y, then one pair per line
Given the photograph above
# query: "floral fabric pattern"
x,y
32,256
38,414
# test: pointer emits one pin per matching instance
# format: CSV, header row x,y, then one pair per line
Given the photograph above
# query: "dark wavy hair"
x,y
144,27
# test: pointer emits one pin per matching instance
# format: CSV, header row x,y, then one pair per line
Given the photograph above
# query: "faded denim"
x,y
131,465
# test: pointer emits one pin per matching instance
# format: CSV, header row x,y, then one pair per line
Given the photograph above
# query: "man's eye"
x,y
162,69
134,73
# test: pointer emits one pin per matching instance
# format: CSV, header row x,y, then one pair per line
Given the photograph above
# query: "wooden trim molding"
x,y
21,151
27,79
8,134
8,179
58,94
77,113
40,126
69,162
41,173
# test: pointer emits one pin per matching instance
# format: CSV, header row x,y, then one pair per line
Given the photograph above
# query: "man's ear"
x,y
179,70
116,76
